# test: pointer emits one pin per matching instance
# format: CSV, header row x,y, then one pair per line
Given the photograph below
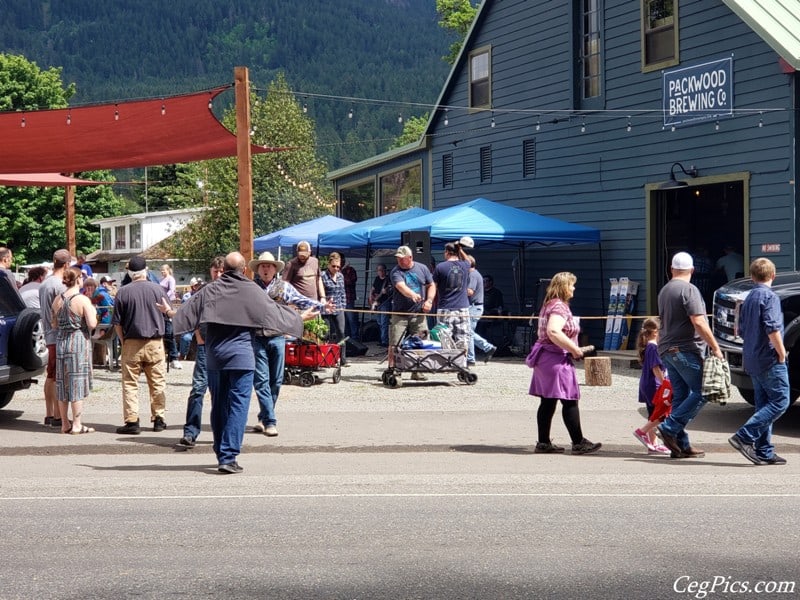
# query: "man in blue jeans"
x,y
233,308
194,404
682,342
269,347
764,358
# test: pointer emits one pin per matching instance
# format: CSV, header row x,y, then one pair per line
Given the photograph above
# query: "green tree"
x,y
413,128
33,219
289,185
456,16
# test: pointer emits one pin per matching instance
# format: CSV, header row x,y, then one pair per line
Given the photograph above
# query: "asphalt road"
x,y
427,491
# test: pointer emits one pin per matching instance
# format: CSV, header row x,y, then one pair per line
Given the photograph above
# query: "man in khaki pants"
x,y
140,327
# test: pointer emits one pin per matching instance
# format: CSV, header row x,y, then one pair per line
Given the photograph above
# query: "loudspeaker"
x,y
355,348
420,244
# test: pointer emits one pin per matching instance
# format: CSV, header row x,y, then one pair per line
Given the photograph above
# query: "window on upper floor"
x,y
120,237
659,34
480,78
590,55
136,236
105,238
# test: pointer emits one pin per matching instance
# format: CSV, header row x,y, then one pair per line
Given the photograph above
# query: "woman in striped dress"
x,y
74,316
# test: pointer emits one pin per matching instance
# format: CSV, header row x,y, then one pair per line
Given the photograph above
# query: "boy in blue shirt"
x,y
764,359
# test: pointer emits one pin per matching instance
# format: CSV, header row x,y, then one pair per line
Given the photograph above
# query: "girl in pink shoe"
x,y
653,374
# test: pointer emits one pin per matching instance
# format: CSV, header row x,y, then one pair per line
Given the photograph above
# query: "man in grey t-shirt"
x,y
682,342
50,288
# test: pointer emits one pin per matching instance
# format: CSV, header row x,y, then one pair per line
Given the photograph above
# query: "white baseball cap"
x,y
682,261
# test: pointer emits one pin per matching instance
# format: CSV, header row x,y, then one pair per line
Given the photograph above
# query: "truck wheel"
x,y
748,395
27,340
5,397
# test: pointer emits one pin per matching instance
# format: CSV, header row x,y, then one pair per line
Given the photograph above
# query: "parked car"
x,y
728,301
23,351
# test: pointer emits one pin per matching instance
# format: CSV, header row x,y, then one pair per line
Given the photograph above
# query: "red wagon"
x,y
307,363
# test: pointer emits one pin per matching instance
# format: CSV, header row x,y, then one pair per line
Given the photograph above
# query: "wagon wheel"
x,y
462,377
471,378
337,375
385,376
393,381
287,377
306,379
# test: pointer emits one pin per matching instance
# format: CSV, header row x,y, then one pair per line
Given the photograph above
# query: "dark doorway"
x,y
701,220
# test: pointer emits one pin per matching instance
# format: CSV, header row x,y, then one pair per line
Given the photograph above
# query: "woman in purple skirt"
x,y
551,359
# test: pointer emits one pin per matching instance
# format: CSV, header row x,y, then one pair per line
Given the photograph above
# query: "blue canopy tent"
x,y
356,237
282,239
491,225
494,225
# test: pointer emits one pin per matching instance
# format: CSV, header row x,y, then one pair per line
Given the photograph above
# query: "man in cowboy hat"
x,y
269,348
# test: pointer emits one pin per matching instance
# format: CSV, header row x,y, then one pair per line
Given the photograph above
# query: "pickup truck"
x,y
23,351
727,302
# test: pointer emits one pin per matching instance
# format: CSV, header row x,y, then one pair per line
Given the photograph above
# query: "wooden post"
x,y
243,153
597,370
69,218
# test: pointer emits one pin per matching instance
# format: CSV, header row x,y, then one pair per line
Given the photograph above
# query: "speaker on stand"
x,y
420,244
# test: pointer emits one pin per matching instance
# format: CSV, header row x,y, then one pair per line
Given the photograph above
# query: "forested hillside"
x,y
389,50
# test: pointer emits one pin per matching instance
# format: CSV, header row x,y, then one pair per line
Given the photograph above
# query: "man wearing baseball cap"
x,y
140,327
683,341
412,296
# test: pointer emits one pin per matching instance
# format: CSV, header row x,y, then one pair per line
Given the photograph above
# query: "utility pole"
x,y
243,155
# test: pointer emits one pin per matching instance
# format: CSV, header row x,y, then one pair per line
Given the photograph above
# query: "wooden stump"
x,y
597,370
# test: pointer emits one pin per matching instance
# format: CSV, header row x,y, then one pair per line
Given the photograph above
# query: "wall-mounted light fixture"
x,y
673,183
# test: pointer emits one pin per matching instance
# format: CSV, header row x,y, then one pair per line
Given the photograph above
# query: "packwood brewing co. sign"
x,y
699,93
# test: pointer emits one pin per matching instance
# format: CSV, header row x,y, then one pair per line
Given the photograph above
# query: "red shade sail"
x,y
137,133
45,180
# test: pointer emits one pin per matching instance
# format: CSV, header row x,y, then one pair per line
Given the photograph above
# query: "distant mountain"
x,y
388,50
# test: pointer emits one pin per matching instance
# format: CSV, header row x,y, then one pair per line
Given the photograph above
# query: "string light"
x,y
305,108
538,125
716,126
116,112
210,103
350,114
69,118
629,127
400,118
673,128
446,120
22,124
761,119
163,109
492,124
583,126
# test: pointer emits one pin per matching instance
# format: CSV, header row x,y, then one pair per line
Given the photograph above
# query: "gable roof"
x,y
776,21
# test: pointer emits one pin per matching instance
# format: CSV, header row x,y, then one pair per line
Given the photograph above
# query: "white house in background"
x,y
129,235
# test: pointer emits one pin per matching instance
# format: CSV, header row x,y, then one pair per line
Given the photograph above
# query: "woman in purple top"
x,y
551,359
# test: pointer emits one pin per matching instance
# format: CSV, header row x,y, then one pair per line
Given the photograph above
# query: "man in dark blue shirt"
x,y
232,308
764,359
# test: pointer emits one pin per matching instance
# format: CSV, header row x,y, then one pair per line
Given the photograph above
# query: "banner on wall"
x,y
699,93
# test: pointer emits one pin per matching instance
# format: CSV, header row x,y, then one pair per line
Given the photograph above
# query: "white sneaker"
x,y
271,431
259,427
176,364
